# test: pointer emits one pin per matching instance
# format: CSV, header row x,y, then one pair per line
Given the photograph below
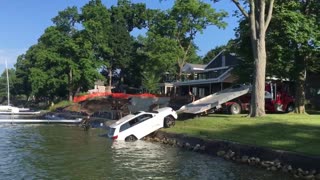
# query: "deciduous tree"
x,y
293,43
183,22
259,15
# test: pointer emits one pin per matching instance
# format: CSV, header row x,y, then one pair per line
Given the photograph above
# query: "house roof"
x,y
214,58
220,61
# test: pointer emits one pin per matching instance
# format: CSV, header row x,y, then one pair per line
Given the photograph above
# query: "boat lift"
x,y
215,100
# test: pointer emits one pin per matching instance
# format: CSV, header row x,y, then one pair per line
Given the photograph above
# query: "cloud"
x,y
9,55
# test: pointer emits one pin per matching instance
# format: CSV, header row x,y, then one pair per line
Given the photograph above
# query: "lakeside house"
x,y
204,79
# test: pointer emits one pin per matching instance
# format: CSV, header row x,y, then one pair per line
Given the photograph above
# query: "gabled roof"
x,y
220,61
214,58
223,59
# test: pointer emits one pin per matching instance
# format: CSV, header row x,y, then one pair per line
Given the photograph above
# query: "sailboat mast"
x,y
8,83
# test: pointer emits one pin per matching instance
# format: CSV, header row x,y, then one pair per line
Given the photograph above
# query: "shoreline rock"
x,y
299,166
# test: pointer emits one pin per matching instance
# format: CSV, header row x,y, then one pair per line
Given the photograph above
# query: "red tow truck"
x,y
277,99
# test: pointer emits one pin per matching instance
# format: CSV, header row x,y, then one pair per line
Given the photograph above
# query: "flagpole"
x,y
8,83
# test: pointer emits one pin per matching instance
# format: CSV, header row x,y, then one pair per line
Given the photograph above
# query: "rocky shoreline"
x,y
299,166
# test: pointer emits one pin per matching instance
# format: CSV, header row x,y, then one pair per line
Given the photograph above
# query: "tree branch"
x,y
269,16
243,11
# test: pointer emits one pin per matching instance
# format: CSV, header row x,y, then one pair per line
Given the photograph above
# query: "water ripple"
x,y
64,152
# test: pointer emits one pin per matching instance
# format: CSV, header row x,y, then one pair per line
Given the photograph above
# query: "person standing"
x,y
85,123
192,97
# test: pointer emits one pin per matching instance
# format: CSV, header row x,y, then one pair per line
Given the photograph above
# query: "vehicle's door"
x,y
144,125
139,126
151,124
158,120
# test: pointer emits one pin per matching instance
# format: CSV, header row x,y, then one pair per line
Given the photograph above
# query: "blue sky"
x,y
24,21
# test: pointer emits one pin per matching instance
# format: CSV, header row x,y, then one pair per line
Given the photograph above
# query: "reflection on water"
x,y
62,152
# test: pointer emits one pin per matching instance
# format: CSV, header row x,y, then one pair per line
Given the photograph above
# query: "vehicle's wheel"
x,y
290,108
131,138
169,122
235,108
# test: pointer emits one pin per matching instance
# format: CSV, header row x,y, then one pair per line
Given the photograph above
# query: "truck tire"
x,y
169,122
131,138
235,108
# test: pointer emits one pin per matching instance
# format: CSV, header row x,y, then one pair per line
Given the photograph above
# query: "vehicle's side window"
x,y
125,127
133,122
267,95
144,117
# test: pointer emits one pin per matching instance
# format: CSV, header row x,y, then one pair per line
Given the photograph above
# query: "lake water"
x,y
68,152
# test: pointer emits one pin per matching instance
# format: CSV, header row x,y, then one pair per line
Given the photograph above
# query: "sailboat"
x,y
9,109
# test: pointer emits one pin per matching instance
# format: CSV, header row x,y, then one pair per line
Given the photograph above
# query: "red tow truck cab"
x,y
277,99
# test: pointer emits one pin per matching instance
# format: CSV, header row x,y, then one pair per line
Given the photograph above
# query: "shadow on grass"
x,y
315,112
185,116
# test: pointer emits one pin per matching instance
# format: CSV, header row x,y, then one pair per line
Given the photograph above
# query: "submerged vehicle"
x,y
138,125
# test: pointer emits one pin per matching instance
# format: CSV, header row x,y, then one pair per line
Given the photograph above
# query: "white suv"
x,y
136,126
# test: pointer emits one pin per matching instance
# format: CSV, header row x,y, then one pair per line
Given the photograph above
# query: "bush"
x,y
60,104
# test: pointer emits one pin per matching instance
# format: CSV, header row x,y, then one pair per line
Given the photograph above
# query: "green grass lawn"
x,y
297,133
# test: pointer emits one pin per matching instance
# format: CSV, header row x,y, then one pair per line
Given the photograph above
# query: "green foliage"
x,y
61,104
150,81
4,86
137,65
181,24
292,34
96,21
62,62
129,14
120,43
22,85
162,53
295,35
69,55
82,93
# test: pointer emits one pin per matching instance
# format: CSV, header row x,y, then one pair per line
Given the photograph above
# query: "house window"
x,y
223,61
194,91
201,92
202,76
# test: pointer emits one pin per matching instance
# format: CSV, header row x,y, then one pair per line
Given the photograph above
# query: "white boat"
x,y
40,121
9,109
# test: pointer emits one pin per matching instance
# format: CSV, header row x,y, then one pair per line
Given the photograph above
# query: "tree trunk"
x,y
300,87
180,73
70,86
259,22
258,89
